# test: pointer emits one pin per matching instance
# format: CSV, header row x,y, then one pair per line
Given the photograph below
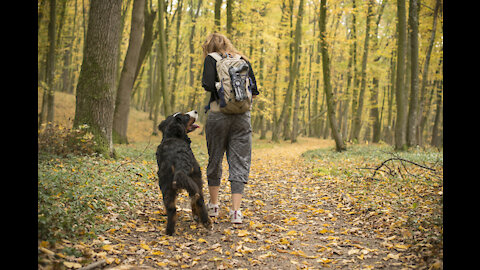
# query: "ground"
x,y
292,219
305,207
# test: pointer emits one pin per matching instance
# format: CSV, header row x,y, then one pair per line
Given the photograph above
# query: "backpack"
x,y
233,86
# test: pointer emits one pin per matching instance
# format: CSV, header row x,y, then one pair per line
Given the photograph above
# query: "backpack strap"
x,y
216,56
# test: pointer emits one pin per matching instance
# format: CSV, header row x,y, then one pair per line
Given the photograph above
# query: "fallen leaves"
x,y
293,218
242,233
72,265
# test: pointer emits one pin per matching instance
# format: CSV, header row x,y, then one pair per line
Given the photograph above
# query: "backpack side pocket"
x,y
221,94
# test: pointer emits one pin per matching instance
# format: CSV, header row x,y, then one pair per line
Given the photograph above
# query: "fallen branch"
x,y
132,160
401,160
93,265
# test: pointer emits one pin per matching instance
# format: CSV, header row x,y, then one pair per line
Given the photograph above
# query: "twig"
x,y
129,161
93,265
366,168
401,159
400,172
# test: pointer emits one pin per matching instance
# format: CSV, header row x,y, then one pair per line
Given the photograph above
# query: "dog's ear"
x,y
162,125
178,118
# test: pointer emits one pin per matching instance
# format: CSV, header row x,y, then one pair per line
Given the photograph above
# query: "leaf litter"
x,y
299,213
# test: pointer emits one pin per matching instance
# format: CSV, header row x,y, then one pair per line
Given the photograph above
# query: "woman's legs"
x,y
236,201
231,134
238,151
213,191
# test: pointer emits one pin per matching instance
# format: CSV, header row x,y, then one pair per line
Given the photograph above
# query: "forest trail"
x,y
299,213
292,220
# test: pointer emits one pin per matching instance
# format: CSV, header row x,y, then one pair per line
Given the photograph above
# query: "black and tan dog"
x,y
178,168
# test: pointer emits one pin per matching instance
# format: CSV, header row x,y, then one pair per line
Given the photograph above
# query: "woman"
x,y
230,133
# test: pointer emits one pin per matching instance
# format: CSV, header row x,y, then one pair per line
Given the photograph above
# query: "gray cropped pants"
x,y
230,133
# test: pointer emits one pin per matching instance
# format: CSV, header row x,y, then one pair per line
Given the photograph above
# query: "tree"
x,y
161,86
401,93
339,144
357,124
422,114
127,77
276,121
285,115
292,102
295,69
47,112
412,123
436,136
162,54
176,63
374,114
218,5
229,18
95,97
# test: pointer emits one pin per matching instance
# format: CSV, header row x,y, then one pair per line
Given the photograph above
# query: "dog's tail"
x,y
182,180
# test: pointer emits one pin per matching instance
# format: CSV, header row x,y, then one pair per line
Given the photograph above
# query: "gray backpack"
x,y
233,88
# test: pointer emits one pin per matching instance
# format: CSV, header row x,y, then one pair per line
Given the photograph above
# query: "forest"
x,y
347,132
355,70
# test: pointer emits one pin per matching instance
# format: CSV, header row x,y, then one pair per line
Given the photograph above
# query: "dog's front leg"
x,y
169,201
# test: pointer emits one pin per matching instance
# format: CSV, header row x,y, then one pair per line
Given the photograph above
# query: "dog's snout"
x,y
193,114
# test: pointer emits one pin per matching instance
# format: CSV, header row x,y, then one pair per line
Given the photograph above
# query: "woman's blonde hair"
x,y
219,43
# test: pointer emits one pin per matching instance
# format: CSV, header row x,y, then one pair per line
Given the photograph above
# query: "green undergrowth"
x,y
81,196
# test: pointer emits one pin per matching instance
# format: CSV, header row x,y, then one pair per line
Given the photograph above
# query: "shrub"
x,y
56,139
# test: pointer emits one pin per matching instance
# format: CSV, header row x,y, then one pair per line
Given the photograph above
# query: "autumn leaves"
x,y
309,212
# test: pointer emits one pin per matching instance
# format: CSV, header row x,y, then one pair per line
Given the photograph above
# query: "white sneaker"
x,y
212,209
236,216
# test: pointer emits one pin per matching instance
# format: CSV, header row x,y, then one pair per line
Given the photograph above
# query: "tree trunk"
x,y
122,26
95,98
412,123
357,123
163,72
191,70
339,144
355,71
60,85
287,104
401,94
423,90
127,79
374,114
276,121
148,37
388,130
436,126
261,104
229,18
296,68
176,63
218,6
428,103
47,111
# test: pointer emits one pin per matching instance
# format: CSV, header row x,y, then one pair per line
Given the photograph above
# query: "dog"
x,y
178,169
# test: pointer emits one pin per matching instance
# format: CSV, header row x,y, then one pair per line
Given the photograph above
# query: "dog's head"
x,y
179,124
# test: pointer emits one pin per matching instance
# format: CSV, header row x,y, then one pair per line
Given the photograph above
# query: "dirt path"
x,y
291,221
